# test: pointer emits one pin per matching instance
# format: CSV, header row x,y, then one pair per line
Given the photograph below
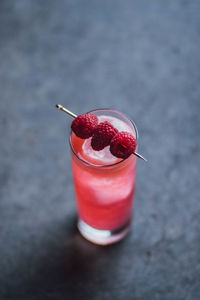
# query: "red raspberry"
x,y
102,135
123,144
84,125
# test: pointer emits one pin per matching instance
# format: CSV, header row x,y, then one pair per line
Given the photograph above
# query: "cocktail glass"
x,y
104,189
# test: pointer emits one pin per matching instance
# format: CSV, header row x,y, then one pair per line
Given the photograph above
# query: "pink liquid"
x,y
104,193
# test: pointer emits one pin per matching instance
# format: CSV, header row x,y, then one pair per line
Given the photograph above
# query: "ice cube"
x,y
117,123
103,156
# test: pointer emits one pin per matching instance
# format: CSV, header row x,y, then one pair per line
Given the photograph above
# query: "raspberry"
x,y
123,144
84,125
102,135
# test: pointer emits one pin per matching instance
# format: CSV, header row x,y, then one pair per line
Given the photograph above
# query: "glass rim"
x,y
110,165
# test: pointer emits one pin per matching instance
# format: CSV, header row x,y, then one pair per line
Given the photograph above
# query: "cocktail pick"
x,y
66,110
74,116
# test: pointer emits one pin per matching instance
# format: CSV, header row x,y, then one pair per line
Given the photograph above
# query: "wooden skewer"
x,y
140,156
74,116
66,110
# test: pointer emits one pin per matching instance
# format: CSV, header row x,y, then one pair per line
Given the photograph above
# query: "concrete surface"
x,y
139,57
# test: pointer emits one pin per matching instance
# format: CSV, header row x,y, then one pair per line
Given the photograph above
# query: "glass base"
x,y
102,237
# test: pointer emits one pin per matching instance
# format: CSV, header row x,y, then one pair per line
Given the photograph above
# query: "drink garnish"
x,y
102,135
84,125
122,144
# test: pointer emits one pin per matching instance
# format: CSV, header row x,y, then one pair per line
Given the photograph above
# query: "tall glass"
x,y
104,193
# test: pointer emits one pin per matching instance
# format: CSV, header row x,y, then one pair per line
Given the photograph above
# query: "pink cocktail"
x,y
104,184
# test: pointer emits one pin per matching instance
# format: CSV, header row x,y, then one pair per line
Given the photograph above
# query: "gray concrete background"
x,y
139,57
